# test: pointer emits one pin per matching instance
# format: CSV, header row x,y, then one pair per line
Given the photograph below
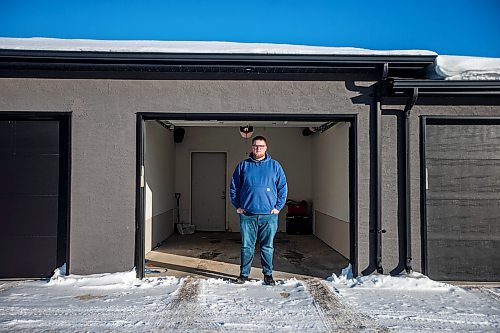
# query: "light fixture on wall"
x,y
179,134
246,131
308,131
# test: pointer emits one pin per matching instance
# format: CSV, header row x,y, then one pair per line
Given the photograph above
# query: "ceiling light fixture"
x,y
246,131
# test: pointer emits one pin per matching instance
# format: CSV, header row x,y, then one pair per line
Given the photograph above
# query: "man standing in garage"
x,y
258,192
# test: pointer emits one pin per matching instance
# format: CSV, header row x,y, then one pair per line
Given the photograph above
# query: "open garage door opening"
x,y
188,224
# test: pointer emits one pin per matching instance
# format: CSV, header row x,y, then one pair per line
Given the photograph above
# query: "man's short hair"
x,y
259,137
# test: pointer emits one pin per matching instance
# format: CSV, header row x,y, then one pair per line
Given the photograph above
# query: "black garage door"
x,y
462,211
33,196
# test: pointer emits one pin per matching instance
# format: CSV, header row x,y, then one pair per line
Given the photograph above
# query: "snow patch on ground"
x,y
415,303
103,281
413,281
115,302
109,302
119,280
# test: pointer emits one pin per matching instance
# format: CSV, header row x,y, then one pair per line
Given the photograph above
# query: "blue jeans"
x,y
261,228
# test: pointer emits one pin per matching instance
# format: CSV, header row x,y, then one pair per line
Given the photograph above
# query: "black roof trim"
x,y
399,88
134,62
419,60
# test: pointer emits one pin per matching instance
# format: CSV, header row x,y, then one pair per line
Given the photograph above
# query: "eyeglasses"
x,y
259,146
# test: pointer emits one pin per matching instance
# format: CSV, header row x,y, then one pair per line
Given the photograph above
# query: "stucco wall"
x,y
391,190
103,144
103,149
393,126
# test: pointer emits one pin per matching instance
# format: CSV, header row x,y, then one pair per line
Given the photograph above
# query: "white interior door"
x,y
208,191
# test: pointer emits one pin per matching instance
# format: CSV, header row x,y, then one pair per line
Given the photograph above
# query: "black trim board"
x,y
244,116
353,194
139,257
423,198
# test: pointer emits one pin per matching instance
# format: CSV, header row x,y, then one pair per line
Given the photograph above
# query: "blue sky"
x,y
447,27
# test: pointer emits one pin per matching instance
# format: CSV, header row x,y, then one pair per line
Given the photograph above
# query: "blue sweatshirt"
x,y
258,186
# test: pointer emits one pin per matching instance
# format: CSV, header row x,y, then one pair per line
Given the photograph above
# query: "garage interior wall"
x,y
287,145
159,165
330,177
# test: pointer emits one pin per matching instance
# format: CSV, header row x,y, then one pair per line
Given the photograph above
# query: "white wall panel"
x,y
330,174
159,161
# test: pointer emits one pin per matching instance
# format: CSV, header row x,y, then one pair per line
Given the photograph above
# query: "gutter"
x,y
405,88
36,63
399,61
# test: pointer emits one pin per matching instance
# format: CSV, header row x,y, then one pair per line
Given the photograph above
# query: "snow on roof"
x,y
54,44
467,68
446,67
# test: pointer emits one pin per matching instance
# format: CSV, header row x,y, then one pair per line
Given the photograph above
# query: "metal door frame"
x,y
352,119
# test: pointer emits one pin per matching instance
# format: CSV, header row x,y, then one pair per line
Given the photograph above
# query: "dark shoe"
x,y
241,279
269,281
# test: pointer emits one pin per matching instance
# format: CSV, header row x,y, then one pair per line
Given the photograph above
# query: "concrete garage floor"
x,y
217,255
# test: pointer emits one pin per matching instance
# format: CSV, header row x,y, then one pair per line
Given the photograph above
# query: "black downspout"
x,y
378,230
409,105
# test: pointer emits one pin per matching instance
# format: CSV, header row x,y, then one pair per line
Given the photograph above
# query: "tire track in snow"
x,y
490,293
337,316
187,293
486,291
183,314
255,307
8,285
